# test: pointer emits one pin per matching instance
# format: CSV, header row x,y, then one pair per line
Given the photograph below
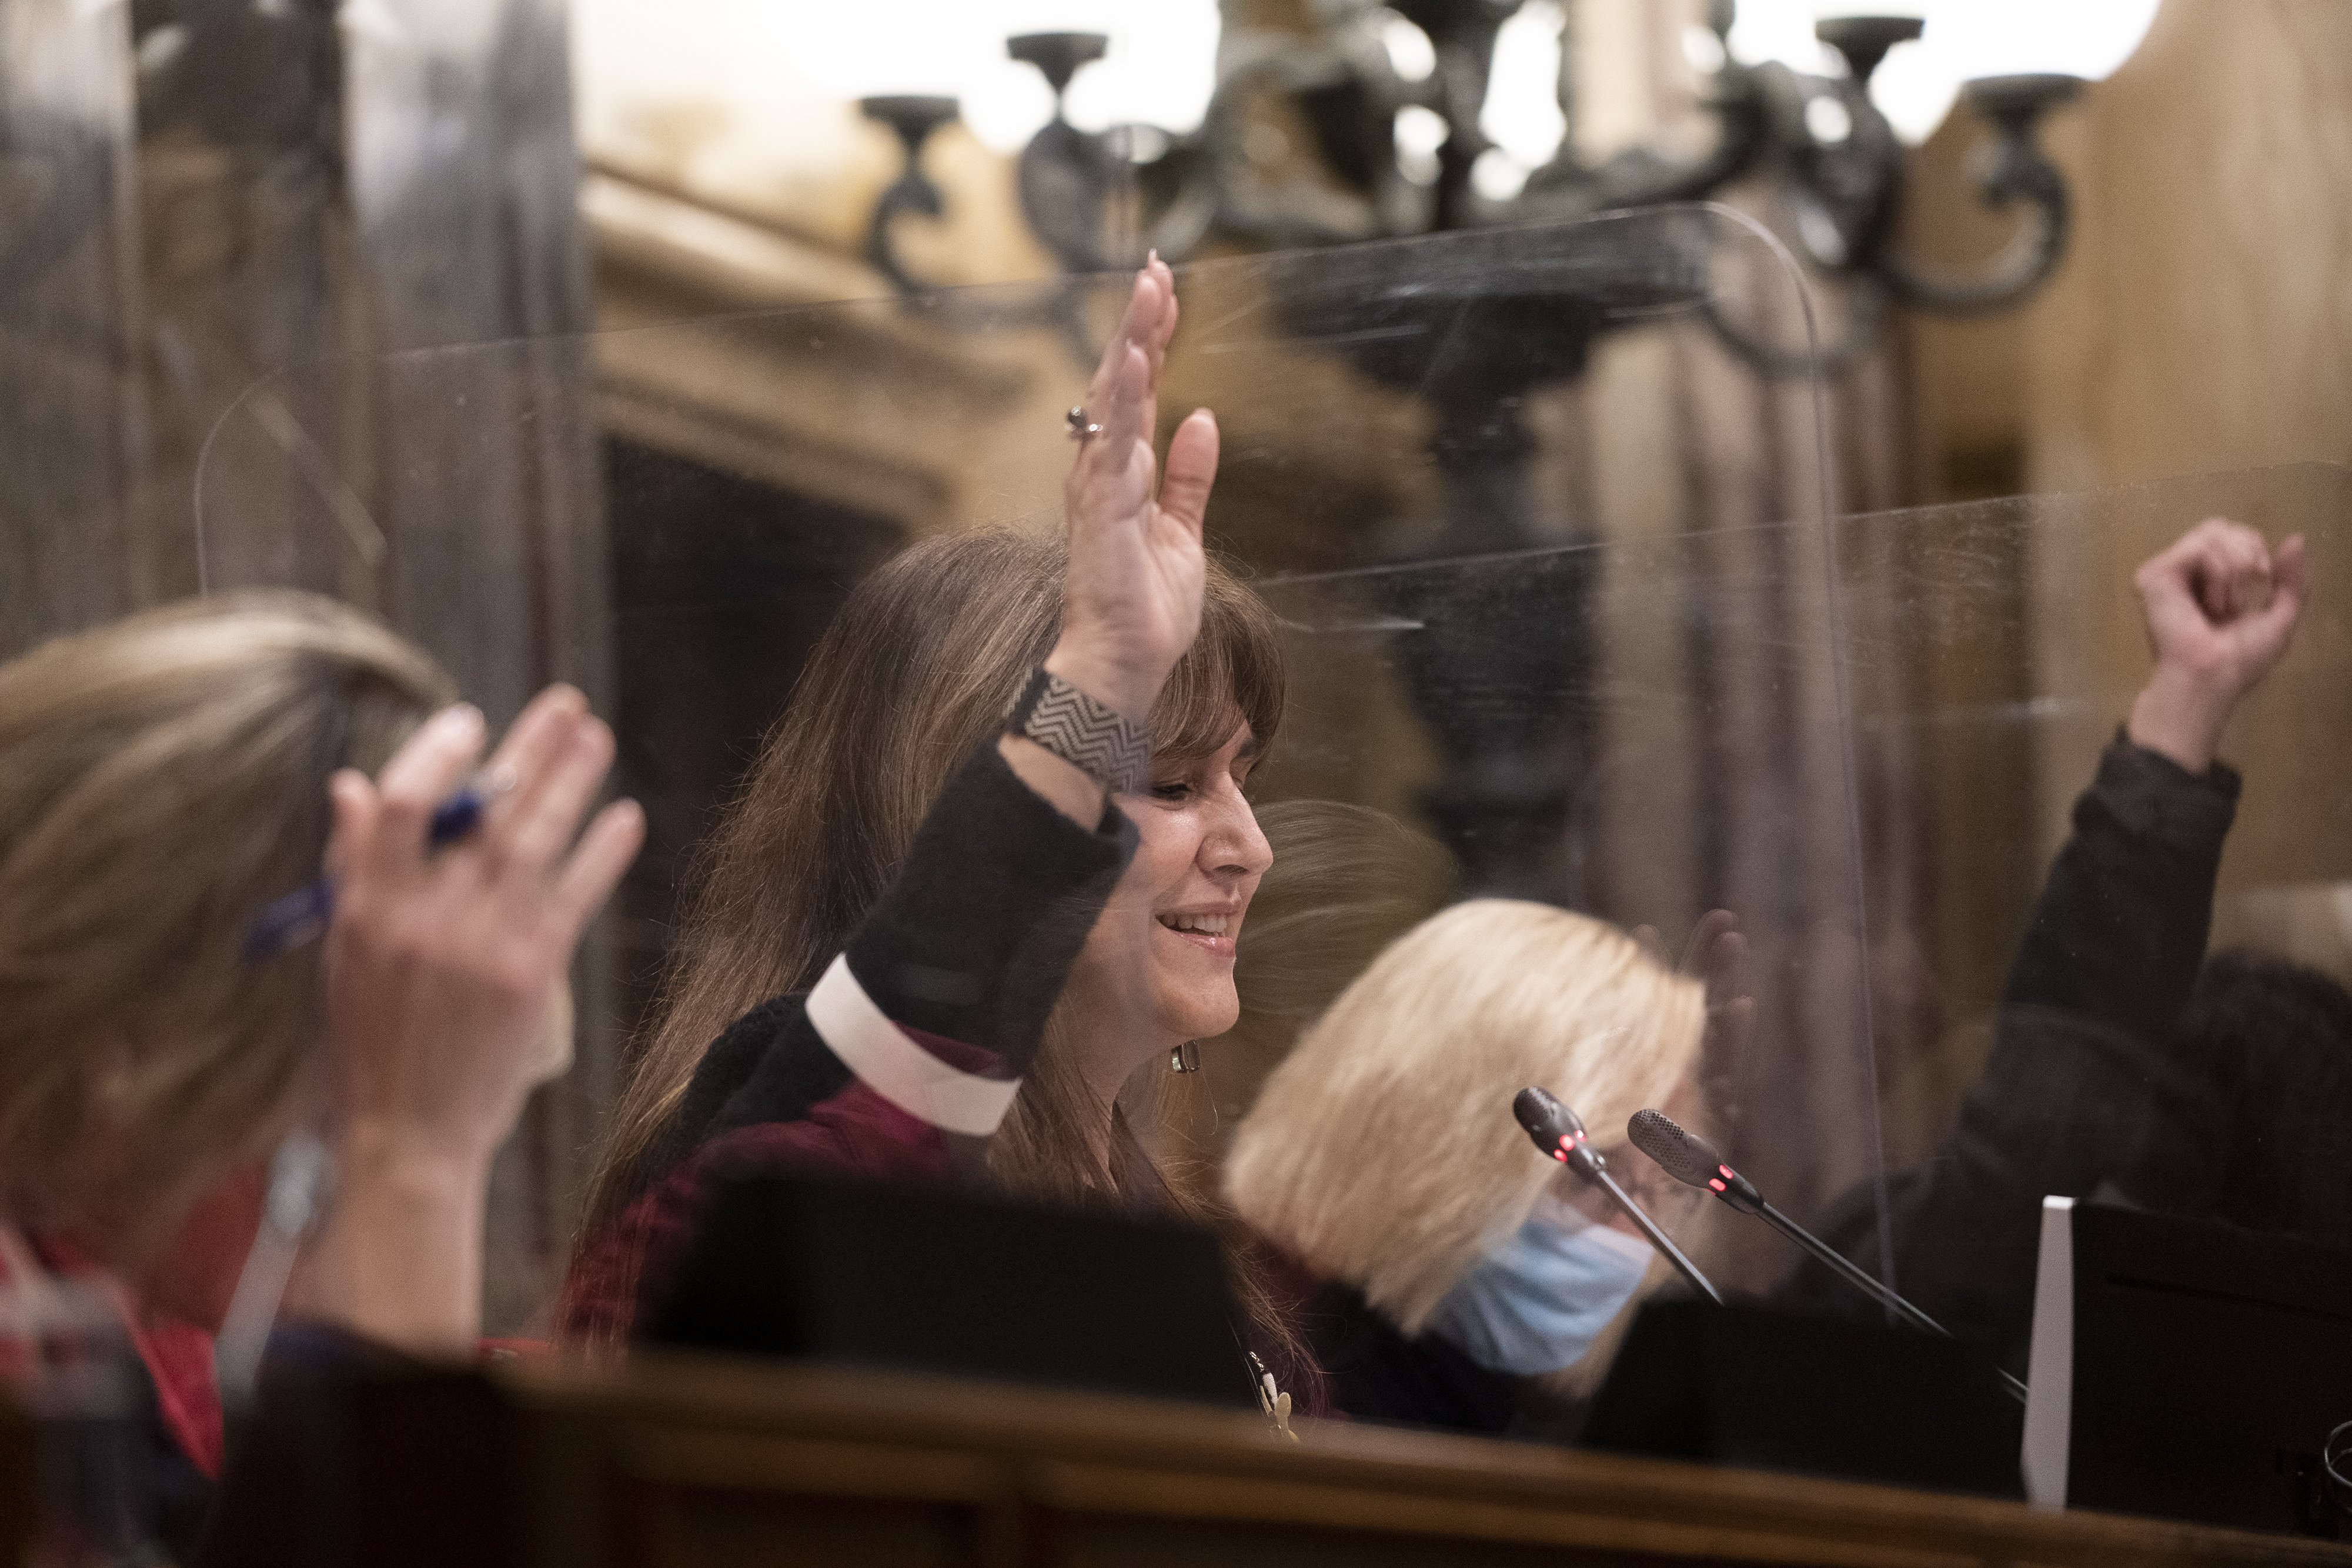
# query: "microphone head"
x,y
1545,1119
1554,1128
1681,1155
1689,1158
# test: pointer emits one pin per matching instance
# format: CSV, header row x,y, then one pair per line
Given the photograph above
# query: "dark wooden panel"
x,y
712,1462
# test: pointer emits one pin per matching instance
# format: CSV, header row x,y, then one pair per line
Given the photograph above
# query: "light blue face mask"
x,y
1538,1301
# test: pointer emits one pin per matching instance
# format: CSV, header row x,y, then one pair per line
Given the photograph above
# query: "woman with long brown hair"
x,y
923,934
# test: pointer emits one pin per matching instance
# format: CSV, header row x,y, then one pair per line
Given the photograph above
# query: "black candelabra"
x,y
1476,347
1830,158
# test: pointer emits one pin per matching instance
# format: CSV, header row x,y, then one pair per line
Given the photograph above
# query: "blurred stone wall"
x,y
230,235
2199,325
76,543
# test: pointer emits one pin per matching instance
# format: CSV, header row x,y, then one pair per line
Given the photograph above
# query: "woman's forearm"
x,y
2179,716
399,1259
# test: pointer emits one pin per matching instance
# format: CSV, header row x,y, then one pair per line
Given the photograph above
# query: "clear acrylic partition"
x,y
1548,562
1996,649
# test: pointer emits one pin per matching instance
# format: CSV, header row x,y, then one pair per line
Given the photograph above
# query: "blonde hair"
x,y
1383,1153
162,779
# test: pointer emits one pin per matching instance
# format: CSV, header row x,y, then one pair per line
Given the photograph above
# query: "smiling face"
x,y
1158,968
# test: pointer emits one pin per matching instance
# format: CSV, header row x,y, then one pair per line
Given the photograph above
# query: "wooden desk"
x,y
685,1462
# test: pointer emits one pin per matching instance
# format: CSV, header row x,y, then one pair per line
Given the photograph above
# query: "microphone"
x,y
1693,1161
1559,1133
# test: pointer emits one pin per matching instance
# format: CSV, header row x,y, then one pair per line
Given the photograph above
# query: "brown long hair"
x,y
916,670
162,779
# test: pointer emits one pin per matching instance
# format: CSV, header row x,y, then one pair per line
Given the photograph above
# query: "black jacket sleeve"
x,y
2080,1091
949,978
967,952
2121,926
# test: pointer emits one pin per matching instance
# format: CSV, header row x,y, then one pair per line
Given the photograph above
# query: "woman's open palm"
x,y
1133,601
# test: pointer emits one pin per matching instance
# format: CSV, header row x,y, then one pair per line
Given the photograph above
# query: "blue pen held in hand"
x,y
286,924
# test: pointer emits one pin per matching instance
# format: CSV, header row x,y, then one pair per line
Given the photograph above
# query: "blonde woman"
x,y
1449,1262
165,781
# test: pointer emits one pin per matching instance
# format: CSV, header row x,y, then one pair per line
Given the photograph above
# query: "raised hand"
x,y
445,973
1135,565
1717,955
2219,607
442,966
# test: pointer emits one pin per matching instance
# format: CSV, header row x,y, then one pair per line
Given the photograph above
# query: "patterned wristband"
x,y
1090,736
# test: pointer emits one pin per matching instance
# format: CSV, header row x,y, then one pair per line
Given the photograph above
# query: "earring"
x,y
1185,1058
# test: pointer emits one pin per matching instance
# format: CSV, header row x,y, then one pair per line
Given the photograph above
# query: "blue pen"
x,y
286,924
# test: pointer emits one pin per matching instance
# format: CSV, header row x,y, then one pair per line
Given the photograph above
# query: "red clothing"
x,y
178,1356
854,1131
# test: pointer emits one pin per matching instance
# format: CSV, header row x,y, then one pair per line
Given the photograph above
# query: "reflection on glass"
x,y
1499,491
1555,623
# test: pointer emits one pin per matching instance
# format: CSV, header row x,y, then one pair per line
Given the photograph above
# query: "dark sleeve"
x,y
2079,1092
957,966
2068,1106
974,940
2121,926
968,951
727,1064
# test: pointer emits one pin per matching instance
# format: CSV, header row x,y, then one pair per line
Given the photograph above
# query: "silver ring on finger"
x,y
1081,424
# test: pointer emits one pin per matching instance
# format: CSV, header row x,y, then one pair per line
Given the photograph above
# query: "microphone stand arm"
x,y
1560,1135
1657,1238
1860,1278
1863,1280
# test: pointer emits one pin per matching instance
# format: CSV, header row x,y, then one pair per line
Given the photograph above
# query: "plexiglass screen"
x,y
1538,575
2091,730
